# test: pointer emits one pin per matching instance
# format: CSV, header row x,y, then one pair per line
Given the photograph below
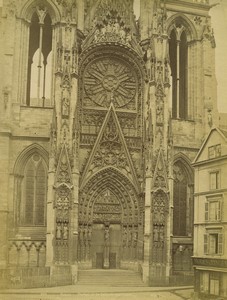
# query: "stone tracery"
x,y
109,81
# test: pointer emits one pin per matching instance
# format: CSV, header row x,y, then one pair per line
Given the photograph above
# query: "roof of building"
x,y
223,134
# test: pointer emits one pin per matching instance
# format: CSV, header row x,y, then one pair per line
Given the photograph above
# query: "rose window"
x,y
109,81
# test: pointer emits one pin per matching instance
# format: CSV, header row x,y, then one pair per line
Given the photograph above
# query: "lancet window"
x,y
178,52
34,189
182,201
39,59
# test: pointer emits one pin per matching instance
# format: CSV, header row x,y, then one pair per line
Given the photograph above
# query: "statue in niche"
x,y
155,234
85,235
96,35
65,107
116,27
59,203
65,231
125,236
159,29
66,203
89,233
167,72
65,94
135,236
58,231
59,56
108,27
149,62
161,234
128,39
6,96
159,112
159,138
155,22
209,117
122,34
106,234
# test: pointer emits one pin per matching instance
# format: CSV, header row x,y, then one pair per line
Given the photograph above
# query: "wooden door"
x,y
113,260
99,260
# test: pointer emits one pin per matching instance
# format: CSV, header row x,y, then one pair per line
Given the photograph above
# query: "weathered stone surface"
x,y
108,125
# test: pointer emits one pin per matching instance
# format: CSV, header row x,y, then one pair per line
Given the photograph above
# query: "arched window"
x,y
178,53
34,190
40,59
182,201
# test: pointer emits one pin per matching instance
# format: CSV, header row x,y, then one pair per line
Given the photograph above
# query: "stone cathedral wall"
x,y
148,138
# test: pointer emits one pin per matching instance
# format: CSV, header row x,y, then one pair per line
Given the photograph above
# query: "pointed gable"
x,y
215,145
110,150
63,174
160,173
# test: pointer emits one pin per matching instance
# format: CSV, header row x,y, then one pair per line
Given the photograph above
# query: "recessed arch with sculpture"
x,y
108,203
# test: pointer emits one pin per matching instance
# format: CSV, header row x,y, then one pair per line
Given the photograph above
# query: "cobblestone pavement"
x,y
66,293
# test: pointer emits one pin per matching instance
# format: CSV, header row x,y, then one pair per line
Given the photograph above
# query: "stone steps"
x,y
110,277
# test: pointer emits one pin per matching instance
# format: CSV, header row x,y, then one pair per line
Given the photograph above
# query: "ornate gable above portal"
x,y
113,21
110,150
160,173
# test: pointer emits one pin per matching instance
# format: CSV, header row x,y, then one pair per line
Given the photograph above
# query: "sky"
x,y
219,23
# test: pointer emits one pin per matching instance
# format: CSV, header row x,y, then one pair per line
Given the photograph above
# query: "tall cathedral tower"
x,y
101,116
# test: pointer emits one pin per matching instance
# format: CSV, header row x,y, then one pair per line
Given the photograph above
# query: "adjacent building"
x,y
210,216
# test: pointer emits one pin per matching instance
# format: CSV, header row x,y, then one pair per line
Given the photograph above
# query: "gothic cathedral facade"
x,y
102,114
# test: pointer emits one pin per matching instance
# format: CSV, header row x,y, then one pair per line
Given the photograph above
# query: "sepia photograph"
x,y
113,149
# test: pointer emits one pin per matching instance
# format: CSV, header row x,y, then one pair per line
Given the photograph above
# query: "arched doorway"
x,y
106,237
110,222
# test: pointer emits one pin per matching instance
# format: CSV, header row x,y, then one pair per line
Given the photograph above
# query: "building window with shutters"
x,y
34,190
210,283
204,282
214,283
213,210
39,59
213,242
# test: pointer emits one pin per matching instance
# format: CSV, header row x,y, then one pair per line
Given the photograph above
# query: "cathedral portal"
x,y
109,222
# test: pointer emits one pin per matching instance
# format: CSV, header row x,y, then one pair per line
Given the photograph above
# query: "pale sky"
x,y
219,23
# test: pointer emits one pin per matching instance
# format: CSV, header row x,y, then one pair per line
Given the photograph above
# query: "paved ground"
x,y
98,293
